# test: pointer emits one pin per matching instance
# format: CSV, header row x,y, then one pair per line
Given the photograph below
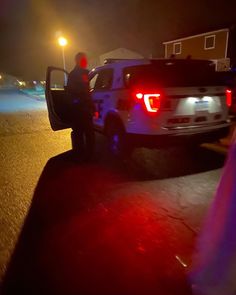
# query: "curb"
x,y
223,145
216,147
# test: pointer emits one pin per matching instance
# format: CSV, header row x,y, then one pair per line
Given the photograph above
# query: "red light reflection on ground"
x,y
125,245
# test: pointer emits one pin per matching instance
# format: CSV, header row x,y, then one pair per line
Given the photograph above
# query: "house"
x,y
218,46
119,53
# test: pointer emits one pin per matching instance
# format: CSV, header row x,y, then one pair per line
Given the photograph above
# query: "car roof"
x,y
121,63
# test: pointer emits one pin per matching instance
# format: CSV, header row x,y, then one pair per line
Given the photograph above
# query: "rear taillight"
x,y
229,97
152,102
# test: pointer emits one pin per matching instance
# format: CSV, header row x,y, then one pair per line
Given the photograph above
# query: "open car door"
x,y
57,103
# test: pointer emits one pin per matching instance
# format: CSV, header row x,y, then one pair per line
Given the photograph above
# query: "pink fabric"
x,y
214,264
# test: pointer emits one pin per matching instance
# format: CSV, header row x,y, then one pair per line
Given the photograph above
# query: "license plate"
x,y
201,105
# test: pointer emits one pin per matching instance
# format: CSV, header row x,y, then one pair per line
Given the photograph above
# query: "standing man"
x,y
82,135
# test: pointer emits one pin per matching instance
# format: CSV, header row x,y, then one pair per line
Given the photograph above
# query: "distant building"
x,y
218,46
117,53
120,53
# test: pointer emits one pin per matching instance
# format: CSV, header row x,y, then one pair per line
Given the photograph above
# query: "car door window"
x,y
104,80
57,79
92,82
57,102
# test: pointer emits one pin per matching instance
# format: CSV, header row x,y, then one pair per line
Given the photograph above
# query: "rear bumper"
x,y
141,140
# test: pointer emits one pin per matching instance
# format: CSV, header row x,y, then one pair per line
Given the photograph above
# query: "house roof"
x,y
121,50
197,35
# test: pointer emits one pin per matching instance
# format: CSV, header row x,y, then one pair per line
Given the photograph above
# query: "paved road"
x,y
108,227
15,100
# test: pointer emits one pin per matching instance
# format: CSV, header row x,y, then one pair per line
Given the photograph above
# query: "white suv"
x,y
152,103
159,102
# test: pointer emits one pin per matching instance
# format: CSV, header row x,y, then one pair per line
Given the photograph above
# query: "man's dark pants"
x,y
82,135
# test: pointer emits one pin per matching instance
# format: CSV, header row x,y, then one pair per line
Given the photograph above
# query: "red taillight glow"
x,y
229,97
96,115
151,101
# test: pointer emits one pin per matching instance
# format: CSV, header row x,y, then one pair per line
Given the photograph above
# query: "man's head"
x,y
81,60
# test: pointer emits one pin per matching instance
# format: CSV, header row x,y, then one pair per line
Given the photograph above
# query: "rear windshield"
x,y
177,73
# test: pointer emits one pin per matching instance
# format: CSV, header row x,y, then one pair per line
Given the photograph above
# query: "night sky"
x,y
28,28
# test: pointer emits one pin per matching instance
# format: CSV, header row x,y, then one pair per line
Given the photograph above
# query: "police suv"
x,y
159,102
151,103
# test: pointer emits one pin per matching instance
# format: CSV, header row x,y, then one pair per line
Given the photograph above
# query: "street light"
x,y
63,42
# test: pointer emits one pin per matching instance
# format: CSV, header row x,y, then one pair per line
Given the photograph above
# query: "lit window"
x,y
177,48
209,42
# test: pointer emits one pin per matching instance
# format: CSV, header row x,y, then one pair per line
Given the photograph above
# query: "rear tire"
x,y
117,141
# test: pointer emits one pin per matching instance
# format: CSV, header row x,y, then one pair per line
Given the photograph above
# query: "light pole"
x,y
63,42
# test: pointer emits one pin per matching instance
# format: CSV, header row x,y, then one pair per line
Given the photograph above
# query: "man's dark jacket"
x,y
81,107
